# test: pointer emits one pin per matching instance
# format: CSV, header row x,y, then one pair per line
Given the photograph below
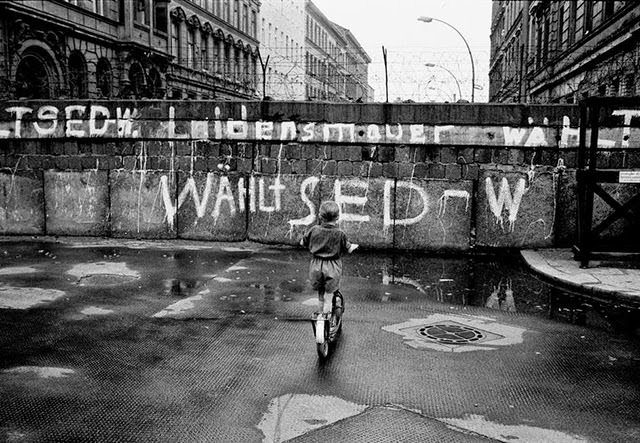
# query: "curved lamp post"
x,y
473,69
433,65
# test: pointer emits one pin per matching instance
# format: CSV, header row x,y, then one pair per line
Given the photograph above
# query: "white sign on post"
x,y
629,177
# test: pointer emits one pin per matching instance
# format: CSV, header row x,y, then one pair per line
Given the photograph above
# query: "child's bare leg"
x,y
320,301
328,298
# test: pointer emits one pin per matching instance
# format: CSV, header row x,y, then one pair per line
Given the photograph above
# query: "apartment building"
x,y
336,65
282,49
128,49
563,51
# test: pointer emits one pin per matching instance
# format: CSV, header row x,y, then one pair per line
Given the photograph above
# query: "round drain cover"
x,y
451,334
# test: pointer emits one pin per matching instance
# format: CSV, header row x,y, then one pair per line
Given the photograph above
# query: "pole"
x,y
386,77
473,69
432,65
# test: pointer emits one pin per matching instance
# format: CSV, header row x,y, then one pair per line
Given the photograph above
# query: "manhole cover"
x,y
456,333
452,334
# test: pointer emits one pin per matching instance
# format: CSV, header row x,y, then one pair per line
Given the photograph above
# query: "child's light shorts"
x,y
325,274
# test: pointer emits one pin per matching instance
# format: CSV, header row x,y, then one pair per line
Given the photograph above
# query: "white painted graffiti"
x,y
47,122
265,195
452,193
505,200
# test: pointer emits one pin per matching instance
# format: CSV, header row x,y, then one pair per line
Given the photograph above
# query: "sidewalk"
x,y
613,280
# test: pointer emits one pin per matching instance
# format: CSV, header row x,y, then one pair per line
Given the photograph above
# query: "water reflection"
x,y
500,282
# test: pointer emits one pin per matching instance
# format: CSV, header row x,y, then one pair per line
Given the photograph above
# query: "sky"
x,y
411,43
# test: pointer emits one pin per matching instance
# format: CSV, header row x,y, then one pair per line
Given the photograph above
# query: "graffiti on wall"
x,y
217,197
90,121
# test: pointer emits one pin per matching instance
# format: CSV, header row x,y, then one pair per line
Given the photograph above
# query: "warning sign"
x,y
629,177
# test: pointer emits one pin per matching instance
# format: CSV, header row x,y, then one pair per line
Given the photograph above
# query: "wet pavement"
x,y
115,340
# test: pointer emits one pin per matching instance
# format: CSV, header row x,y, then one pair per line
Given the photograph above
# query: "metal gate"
x,y
601,136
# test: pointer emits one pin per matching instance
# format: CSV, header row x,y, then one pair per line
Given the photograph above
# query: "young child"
x,y
327,243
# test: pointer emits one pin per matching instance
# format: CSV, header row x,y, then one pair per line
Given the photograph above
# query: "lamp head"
x,y
425,19
430,65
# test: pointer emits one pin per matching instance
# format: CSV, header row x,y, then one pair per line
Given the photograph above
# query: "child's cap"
x,y
329,211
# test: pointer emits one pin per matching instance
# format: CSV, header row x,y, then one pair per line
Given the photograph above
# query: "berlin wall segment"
x,y
200,170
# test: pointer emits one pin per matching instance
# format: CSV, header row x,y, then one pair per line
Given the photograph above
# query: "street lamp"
x,y
433,65
473,69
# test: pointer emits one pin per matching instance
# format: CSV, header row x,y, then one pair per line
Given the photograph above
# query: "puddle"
x,y
17,270
40,371
508,433
102,268
24,298
94,310
291,415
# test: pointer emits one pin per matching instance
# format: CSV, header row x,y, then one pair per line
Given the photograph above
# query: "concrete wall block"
x,y
366,205
448,155
77,203
433,214
284,167
513,212
340,153
633,159
282,207
465,155
453,172
268,166
436,170
390,170
406,170
314,167
62,163
355,153
245,165
482,155
386,154
330,167
21,203
470,172
421,170
212,206
516,156
143,204
404,154
308,152
432,154
345,168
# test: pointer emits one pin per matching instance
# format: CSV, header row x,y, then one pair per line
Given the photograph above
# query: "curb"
x,y
581,281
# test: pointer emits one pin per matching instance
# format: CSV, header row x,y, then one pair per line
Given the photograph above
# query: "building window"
x,y
236,14
137,80
204,51
191,47
160,15
175,41
32,77
155,84
77,75
141,12
588,17
629,85
254,24
245,19
103,78
226,10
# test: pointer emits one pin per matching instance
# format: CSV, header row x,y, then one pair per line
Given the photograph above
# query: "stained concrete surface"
x,y
207,342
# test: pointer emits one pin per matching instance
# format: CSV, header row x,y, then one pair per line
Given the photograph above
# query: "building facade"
x,y
335,63
129,49
563,51
282,49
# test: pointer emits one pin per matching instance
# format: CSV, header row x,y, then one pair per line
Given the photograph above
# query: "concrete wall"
x,y
411,176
